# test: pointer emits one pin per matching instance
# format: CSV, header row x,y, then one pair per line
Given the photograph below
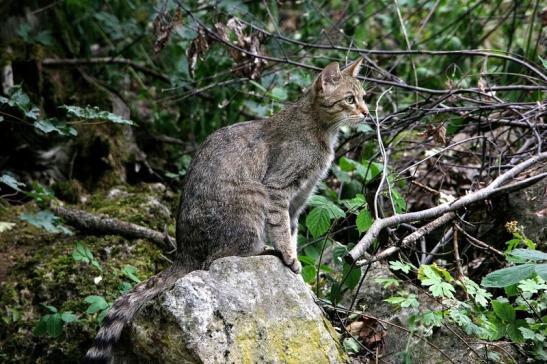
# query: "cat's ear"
x,y
329,78
354,68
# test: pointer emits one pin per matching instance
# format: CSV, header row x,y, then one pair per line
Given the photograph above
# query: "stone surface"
x,y
243,310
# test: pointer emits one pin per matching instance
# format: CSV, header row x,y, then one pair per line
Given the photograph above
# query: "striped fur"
x,y
125,308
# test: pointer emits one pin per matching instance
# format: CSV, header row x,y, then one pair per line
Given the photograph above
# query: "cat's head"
x,y
338,95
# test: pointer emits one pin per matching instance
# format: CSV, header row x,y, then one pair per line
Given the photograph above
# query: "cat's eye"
x,y
350,99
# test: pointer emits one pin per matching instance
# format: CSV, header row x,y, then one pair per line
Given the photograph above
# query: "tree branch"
x,y
437,211
105,225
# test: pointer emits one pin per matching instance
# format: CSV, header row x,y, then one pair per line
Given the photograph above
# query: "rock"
x,y
242,310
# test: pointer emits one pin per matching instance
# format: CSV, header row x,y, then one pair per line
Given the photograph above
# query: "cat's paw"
x,y
292,262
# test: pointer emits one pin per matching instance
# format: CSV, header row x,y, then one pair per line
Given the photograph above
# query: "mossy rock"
x,y
39,269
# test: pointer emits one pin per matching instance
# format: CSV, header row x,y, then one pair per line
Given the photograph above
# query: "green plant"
x,y
518,315
52,323
81,253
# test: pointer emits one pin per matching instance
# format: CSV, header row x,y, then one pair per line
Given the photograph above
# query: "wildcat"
x,y
246,186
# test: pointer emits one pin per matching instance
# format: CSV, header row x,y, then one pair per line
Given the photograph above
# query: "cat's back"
x,y
230,156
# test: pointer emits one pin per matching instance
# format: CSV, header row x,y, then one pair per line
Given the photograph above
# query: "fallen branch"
x,y
105,225
479,195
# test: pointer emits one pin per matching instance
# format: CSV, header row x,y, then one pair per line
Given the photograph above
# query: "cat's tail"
x,y
125,308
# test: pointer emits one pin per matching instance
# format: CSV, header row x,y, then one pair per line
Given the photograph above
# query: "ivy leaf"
x,y
508,276
94,113
318,221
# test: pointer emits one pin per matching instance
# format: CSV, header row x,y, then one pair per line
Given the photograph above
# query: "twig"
x,y
428,228
478,242
457,258
105,225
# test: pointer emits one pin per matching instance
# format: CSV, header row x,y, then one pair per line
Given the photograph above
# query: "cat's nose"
x,y
363,109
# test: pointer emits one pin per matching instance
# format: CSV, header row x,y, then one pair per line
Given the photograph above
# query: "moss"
x,y
69,191
39,269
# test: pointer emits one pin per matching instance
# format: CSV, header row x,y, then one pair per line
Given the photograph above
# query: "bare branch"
x,y
105,225
433,212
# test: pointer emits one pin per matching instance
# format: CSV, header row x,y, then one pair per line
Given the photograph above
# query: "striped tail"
x,y
125,308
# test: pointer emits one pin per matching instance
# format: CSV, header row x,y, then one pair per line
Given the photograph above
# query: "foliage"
x,y
52,323
514,316
187,95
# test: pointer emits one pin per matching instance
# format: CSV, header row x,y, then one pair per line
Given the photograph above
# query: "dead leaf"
x,y
163,26
197,49
248,62
369,330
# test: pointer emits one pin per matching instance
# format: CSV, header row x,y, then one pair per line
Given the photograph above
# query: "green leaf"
x,y
11,182
364,221
404,301
351,345
504,311
351,275
54,325
513,332
94,113
279,93
53,125
387,282
508,276
50,308
398,265
532,285
355,203
333,210
318,221
400,203
309,273
96,303
541,270
82,253
306,260
41,327
68,317
129,271
45,219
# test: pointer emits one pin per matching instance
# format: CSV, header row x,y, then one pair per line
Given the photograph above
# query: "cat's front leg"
x,y
279,230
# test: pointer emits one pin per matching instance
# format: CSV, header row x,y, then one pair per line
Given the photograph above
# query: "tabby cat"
x,y
246,187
